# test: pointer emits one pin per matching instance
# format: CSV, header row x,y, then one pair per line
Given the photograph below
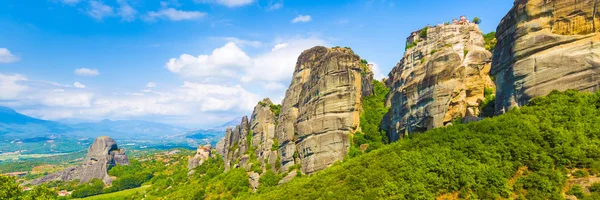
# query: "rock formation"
x,y
544,46
320,111
251,142
321,108
102,155
202,154
441,78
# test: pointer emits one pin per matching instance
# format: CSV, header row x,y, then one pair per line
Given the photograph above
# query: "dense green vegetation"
x,y
9,189
476,20
475,160
490,41
487,106
370,121
527,153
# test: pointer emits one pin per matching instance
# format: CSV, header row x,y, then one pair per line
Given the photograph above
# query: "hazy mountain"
x,y
126,129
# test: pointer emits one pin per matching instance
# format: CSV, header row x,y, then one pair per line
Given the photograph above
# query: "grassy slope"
x,y
118,195
475,160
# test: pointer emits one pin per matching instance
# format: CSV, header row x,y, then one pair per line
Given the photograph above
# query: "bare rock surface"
x,y
102,155
544,46
441,78
321,108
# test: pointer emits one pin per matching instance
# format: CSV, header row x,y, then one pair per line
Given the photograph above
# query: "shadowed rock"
x,y
544,46
102,155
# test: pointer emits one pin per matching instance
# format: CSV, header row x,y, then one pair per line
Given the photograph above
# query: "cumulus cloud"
x,y
242,43
377,73
222,62
173,15
275,5
272,69
192,101
125,11
151,85
11,86
99,10
302,18
279,63
86,72
228,3
7,57
78,85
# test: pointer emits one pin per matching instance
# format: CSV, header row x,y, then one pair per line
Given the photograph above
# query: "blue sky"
x,y
193,63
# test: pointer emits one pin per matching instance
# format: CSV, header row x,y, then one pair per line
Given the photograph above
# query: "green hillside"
x,y
546,139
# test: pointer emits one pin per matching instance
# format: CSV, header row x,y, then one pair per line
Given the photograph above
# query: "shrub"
x,y
580,174
595,187
269,179
94,187
9,189
577,191
490,41
476,20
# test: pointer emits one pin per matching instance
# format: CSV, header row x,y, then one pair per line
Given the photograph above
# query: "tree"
x,y
9,189
40,193
477,20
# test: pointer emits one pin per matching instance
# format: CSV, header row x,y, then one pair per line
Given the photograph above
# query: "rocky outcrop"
x,y
251,142
544,46
441,78
312,127
102,155
321,108
203,153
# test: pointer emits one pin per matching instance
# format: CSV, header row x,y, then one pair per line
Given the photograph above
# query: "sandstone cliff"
x,y
544,46
312,127
251,143
102,155
321,108
441,78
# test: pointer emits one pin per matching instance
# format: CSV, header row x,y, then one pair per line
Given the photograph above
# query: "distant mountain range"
x,y
37,135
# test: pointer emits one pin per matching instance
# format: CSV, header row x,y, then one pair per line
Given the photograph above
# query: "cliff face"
x,y
321,108
442,77
544,46
102,155
250,143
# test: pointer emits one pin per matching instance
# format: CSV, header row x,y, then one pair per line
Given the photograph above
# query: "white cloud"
x,y
279,46
126,12
64,99
86,72
99,10
274,86
151,85
173,14
275,5
70,2
191,102
7,57
279,63
167,3
226,61
228,3
242,43
302,18
78,85
10,87
378,75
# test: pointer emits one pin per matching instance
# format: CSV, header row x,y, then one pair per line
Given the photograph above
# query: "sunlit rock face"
x,y
321,108
102,155
441,78
543,46
251,137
